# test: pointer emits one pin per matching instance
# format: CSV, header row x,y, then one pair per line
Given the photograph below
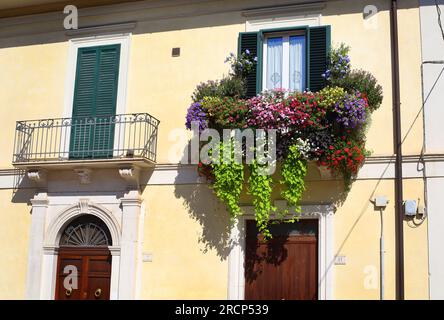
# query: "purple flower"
x,y
351,111
326,75
197,114
340,66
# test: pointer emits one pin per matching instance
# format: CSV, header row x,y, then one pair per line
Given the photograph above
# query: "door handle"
x,y
68,292
98,293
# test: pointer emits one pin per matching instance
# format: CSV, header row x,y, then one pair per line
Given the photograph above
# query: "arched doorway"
x,y
84,260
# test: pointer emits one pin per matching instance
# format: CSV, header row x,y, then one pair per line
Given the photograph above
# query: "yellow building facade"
x,y
171,237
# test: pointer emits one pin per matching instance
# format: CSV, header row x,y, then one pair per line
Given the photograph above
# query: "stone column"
x,y
36,238
131,210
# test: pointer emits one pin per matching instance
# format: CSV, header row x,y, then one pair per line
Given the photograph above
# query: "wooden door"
x,y
285,267
93,267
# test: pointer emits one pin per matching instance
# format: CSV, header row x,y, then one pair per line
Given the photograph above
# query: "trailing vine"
x,y
294,170
261,187
229,179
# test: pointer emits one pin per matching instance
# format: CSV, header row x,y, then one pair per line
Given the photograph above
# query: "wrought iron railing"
x,y
106,137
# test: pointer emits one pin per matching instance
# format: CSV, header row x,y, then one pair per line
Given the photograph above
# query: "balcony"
x,y
111,141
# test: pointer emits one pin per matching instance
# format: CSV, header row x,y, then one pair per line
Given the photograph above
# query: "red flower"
x,y
346,150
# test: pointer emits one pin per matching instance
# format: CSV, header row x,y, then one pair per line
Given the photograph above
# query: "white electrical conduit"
x,y
381,257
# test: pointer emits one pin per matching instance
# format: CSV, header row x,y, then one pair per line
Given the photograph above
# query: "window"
x,y
86,231
94,105
290,58
284,62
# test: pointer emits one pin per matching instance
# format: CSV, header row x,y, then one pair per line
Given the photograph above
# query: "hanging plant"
x,y
326,126
261,187
228,179
294,170
345,157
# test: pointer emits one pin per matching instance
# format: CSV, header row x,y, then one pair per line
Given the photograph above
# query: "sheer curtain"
x,y
297,63
274,63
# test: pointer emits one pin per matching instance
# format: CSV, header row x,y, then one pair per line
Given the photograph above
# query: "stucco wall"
x,y
15,221
432,51
189,247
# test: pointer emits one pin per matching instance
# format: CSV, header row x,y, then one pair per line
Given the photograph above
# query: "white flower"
x,y
304,147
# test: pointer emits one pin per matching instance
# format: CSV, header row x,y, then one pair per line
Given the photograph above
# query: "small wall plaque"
x,y
147,257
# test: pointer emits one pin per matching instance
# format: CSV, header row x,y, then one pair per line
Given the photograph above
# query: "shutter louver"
x,y
95,96
249,41
319,47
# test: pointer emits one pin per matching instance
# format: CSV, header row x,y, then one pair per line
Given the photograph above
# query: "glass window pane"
x,y
274,63
297,63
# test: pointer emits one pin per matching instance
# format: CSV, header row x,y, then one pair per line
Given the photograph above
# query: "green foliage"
x,y
227,87
229,179
232,87
205,89
242,65
339,63
261,187
365,83
294,170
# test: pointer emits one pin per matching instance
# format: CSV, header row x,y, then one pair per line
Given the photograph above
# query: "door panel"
x,y
94,272
284,267
98,288
68,260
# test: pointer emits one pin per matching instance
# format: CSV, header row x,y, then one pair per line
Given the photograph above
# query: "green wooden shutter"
x,y
252,41
319,42
95,96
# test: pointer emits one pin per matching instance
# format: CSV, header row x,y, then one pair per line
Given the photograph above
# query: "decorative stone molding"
x,y
40,200
112,28
284,9
131,176
314,210
84,205
84,175
132,198
50,249
115,251
43,256
38,177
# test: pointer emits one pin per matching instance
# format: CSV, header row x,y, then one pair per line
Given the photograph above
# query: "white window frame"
x,y
285,58
124,39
